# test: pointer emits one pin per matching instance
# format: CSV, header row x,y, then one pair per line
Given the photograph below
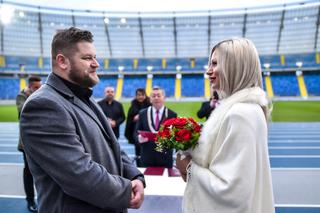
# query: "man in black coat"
x,y
140,102
113,110
208,106
34,83
150,120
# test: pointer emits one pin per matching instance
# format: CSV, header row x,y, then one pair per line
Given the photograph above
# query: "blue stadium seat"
x,y
285,84
312,81
200,63
131,83
167,82
9,88
192,86
308,59
155,63
273,60
98,90
114,64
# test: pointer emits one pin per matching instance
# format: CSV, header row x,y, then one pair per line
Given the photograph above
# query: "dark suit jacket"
x,y
73,155
131,124
115,112
150,157
205,110
20,100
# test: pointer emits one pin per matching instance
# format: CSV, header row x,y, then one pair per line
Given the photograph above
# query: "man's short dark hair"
x,y
141,90
33,78
65,40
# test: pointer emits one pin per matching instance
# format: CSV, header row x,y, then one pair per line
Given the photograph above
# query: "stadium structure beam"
x,y
175,37
40,31
73,19
244,29
141,36
317,30
1,32
209,34
106,30
280,29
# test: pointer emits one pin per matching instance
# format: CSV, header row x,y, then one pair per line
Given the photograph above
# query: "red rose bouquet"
x,y
178,133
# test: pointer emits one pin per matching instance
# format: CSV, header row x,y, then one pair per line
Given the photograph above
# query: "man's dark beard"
x,y
85,82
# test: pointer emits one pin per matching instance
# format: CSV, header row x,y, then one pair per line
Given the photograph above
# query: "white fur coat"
x,y
230,170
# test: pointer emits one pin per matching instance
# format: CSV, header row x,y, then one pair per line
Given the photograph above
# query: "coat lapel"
x,y
164,115
85,108
112,138
102,122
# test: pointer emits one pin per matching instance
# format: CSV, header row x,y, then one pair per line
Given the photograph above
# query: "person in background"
x,y
140,102
208,106
113,110
34,83
150,120
73,154
229,171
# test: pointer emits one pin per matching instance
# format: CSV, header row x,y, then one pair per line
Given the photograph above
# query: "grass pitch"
x,y
283,111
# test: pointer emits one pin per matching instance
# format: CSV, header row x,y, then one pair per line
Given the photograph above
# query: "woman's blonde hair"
x,y
238,65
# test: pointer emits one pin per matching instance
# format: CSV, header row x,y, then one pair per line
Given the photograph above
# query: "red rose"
x,y
164,133
194,123
183,134
168,122
197,128
180,122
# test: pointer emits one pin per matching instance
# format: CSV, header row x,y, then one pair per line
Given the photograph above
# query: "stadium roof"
x,y
153,5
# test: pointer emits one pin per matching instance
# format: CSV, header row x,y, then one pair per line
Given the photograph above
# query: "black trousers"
x,y
137,148
28,180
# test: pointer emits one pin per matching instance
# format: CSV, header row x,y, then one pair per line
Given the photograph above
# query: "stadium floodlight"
x,y
21,14
149,76
120,68
123,20
299,64
106,20
6,14
298,73
266,65
149,68
178,68
179,76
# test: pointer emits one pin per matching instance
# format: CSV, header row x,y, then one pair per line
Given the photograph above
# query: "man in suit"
x,y
113,110
208,106
72,152
150,120
34,83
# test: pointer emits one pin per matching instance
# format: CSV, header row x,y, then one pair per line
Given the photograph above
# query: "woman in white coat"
x,y
229,171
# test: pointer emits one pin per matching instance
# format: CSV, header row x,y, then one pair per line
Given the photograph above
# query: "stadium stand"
x,y
131,83
285,84
313,83
135,46
192,86
9,87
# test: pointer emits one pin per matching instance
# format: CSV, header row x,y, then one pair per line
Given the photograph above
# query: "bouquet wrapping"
x,y
181,134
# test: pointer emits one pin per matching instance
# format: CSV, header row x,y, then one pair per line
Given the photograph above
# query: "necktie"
x,y
157,120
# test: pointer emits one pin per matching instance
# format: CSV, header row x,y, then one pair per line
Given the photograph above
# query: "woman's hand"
x,y
182,165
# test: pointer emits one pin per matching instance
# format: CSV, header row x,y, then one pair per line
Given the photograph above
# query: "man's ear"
x,y
62,61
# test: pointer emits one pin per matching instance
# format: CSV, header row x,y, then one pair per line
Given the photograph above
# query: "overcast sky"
x,y
152,5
